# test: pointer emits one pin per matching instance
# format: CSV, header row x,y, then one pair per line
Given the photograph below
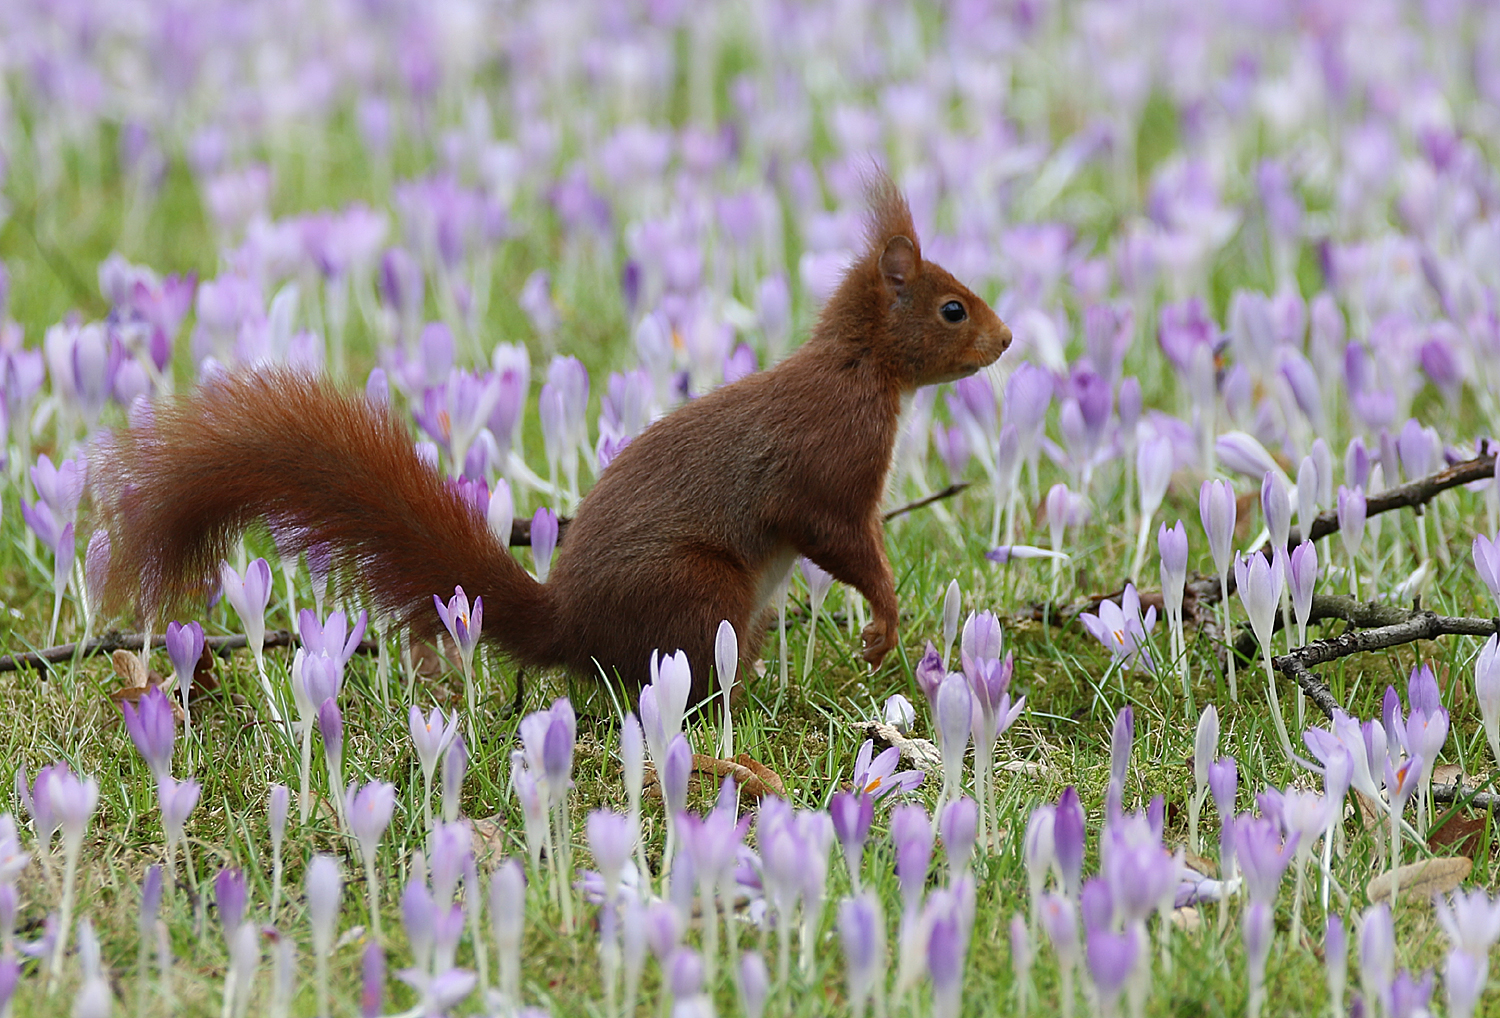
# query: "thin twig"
x,y
111,642
938,496
520,530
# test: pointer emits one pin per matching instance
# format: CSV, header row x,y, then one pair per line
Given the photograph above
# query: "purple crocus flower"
x,y
1487,691
911,834
1263,856
153,729
1302,577
1068,836
852,815
543,541
333,637
465,627
1487,563
230,895
1122,630
862,932
612,837
929,674
455,766
184,648
248,595
959,826
1111,959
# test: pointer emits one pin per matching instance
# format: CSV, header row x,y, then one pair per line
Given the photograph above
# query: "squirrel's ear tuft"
x,y
889,215
898,262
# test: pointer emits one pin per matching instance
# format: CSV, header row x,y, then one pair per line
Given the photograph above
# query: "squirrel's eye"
x,y
953,312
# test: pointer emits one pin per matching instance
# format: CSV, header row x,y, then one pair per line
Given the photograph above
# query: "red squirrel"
x,y
697,520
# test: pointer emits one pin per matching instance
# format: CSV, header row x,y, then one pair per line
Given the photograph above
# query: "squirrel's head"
x,y
928,327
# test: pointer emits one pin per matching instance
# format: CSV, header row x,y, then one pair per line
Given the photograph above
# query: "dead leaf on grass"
x,y
1459,835
1187,919
1419,881
753,778
136,681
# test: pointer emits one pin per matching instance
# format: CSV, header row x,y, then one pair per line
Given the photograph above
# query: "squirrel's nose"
x,y
1005,337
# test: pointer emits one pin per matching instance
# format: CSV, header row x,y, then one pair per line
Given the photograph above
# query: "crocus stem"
x,y
812,641
71,847
373,890
427,800
469,693
304,798
1286,743
1354,576
322,983
1142,536
710,909
275,880
383,667
57,599
1395,851
1194,805
1234,694
781,635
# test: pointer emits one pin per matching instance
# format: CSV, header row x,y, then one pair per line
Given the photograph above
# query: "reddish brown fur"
x,y
694,522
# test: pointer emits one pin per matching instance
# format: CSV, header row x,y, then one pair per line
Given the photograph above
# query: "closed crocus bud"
x,y
1111,958
1303,578
900,714
1351,512
862,933
852,816
1205,746
501,512
1487,691
1277,507
1038,850
324,886
951,606
543,541
455,766
755,984
1377,951
1464,977
1487,563
280,802
959,826
911,834
184,648
675,774
372,980
1216,506
1172,543
1259,581
982,636
230,894
611,838
1068,836
1307,496
1336,961
153,729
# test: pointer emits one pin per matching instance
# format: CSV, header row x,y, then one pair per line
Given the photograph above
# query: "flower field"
x,y
1194,702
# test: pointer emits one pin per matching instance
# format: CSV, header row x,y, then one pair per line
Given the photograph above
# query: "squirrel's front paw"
x,y
879,639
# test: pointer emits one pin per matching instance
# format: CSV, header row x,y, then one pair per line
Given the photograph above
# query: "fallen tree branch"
x,y
111,642
1457,793
1419,625
1359,614
1413,495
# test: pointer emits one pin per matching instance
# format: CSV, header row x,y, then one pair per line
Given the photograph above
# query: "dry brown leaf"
x,y
137,681
130,669
1198,864
1459,835
1187,919
1446,774
1373,816
1419,881
489,839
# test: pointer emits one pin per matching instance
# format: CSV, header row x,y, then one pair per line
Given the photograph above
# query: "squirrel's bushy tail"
x,y
322,468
